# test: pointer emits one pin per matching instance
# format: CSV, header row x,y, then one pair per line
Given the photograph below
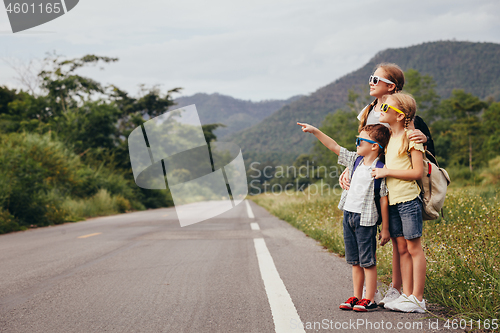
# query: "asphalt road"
x,y
142,272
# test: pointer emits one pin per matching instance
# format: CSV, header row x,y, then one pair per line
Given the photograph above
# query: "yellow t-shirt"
x,y
400,190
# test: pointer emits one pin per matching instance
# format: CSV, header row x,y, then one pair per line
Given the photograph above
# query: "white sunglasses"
x,y
375,79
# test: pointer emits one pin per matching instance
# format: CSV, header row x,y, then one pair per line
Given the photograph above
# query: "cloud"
x,y
252,50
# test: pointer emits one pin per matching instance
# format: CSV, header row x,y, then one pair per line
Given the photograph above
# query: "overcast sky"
x,y
253,50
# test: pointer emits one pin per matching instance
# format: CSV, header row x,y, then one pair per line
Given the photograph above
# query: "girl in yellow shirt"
x,y
403,167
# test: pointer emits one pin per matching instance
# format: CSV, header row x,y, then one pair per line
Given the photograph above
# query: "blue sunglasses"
x,y
358,142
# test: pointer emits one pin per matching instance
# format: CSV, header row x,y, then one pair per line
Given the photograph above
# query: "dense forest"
x,y
63,146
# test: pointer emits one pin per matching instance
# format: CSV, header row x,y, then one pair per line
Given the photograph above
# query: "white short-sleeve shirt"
x,y
359,185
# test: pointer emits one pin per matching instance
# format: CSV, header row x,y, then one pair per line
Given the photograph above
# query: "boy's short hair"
x,y
379,133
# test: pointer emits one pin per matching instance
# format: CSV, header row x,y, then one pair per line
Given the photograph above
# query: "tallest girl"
x,y
387,79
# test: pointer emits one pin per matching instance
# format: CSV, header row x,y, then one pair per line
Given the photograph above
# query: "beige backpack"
x,y
433,185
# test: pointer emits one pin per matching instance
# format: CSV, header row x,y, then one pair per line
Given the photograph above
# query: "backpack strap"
x,y
356,163
376,189
431,157
378,182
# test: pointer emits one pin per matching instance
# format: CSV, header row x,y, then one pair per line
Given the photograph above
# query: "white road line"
x,y
249,210
254,226
282,308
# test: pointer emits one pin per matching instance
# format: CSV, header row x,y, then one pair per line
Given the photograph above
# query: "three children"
x,y
397,194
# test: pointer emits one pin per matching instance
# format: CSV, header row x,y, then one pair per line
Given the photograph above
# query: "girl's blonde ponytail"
x,y
406,142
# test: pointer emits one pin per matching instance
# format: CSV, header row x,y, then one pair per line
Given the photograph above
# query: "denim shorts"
x,y
405,219
360,242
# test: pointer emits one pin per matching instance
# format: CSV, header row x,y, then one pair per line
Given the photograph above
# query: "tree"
x,y
21,110
64,87
6,96
91,126
491,130
459,129
422,87
208,131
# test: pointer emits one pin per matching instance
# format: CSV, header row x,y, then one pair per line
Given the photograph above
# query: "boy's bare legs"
x,y
406,264
371,282
358,279
396,268
419,267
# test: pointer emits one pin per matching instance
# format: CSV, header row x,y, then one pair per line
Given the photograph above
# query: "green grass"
x,y
462,250
101,204
463,270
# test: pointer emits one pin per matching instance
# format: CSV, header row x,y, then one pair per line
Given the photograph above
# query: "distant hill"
x,y
236,114
474,67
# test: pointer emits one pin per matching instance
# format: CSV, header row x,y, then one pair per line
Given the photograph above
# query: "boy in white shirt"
x,y
359,204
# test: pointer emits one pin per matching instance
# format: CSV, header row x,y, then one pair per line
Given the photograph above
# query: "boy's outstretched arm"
x,y
325,139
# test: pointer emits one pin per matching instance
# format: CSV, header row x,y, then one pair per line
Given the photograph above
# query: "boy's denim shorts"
x,y
405,219
360,242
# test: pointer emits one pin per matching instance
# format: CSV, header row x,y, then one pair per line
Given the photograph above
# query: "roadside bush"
x,y
102,203
491,174
7,222
31,166
38,174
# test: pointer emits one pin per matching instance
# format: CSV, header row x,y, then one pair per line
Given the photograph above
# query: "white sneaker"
x,y
412,304
402,298
378,296
391,295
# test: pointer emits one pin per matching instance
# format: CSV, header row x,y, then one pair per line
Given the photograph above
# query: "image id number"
x,y
25,8
463,324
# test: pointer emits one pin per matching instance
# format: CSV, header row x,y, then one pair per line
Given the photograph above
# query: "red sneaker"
x,y
364,305
349,304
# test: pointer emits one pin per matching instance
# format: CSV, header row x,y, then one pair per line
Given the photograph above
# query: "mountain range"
x,y
235,114
473,67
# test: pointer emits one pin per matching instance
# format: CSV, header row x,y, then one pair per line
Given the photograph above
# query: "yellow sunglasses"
x,y
384,107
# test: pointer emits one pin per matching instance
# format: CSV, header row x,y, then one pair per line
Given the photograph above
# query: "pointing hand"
x,y
307,128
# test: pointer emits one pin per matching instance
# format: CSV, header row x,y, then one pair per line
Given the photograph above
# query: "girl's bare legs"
x,y
419,266
396,268
406,264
